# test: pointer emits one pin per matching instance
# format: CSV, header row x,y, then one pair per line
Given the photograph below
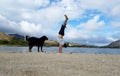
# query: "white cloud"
x,y
23,27
72,32
25,3
26,15
115,24
7,25
72,8
116,11
23,9
37,17
111,39
76,33
108,7
30,28
32,3
93,24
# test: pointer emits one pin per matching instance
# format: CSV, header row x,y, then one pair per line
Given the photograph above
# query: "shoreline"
x,y
56,64
65,50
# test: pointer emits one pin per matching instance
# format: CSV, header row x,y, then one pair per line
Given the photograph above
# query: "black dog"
x,y
33,41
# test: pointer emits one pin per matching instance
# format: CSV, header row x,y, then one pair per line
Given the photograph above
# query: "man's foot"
x,y
66,17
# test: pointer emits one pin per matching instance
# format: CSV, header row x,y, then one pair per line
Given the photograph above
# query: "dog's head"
x,y
44,38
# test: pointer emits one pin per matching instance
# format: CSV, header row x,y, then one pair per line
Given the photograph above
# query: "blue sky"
x,y
90,22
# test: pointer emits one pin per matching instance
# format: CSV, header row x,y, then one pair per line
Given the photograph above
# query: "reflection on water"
x,y
65,50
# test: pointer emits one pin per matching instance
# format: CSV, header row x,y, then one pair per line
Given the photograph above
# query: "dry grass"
x,y
54,64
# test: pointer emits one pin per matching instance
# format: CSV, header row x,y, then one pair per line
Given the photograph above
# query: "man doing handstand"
x,y
61,34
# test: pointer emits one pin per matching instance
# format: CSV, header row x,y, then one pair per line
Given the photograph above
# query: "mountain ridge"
x,y
115,44
20,38
6,37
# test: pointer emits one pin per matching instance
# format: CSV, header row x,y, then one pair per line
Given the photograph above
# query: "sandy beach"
x,y
55,64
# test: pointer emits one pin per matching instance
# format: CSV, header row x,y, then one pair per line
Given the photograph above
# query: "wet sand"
x,y
55,64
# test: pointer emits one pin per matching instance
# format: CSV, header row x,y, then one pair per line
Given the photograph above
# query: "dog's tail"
x,y
27,37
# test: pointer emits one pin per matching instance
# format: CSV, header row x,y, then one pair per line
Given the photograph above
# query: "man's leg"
x,y
65,22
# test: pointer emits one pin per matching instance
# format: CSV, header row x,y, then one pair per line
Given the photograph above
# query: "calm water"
x,y
65,50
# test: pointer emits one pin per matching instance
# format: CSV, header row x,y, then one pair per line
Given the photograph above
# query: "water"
x,y
65,50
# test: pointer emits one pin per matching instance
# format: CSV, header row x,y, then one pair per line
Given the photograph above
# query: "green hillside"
x,y
6,37
18,40
9,40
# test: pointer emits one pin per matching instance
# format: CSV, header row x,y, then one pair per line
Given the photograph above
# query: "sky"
x,y
94,22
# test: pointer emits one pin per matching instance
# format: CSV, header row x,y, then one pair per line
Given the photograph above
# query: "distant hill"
x,y
12,40
51,43
16,39
6,37
115,44
17,36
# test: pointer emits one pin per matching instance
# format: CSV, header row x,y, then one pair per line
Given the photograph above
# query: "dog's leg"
x,y
38,48
30,47
41,49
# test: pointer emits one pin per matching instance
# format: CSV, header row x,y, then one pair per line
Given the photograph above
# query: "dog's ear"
x,y
45,37
27,37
